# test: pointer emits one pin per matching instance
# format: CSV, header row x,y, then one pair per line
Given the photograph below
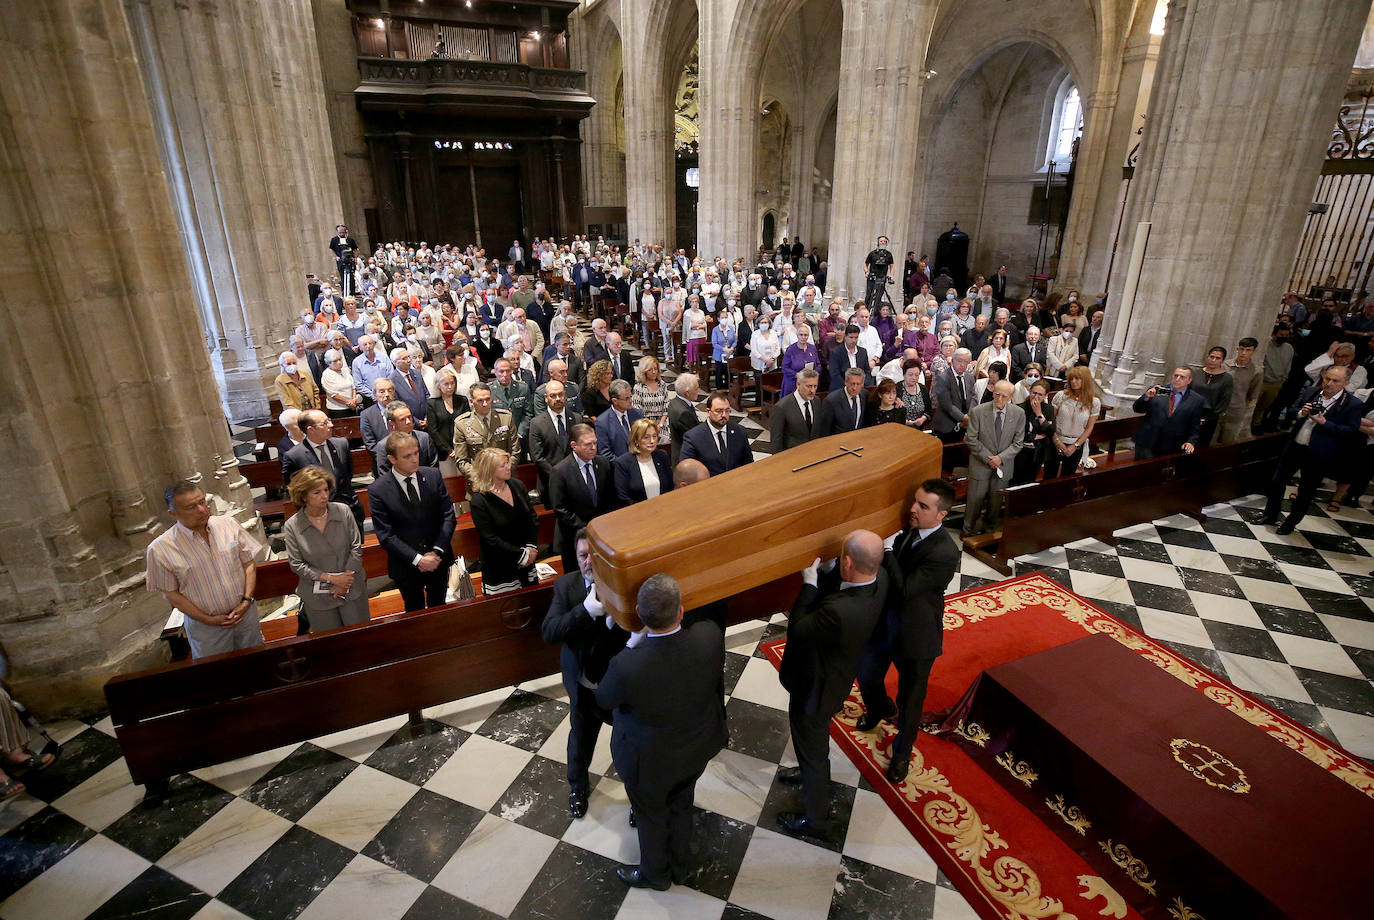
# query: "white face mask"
x,y
308,319
486,333
1031,378
1067,332
763,327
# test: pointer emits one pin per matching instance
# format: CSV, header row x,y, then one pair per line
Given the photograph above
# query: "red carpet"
x,y
1001,857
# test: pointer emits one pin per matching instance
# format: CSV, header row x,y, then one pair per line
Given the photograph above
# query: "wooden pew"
x,y
350,426
1097,503
187,715
266,474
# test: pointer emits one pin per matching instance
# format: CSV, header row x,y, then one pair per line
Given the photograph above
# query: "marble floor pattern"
x,y
469,818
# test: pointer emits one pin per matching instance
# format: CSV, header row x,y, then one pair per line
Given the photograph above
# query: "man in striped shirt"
x,y
203,566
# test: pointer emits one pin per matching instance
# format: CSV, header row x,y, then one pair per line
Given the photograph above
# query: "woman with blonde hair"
x,y
650,395
325,550
443,409
644,471
596,395
295,386
1075,413
506,523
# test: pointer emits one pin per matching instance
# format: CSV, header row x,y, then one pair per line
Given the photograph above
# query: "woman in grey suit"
x,y
325,549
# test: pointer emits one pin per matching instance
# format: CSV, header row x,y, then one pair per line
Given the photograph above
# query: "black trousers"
x,y
424,589
1296,458
1056,464
913,677
811,743
663,817
586,719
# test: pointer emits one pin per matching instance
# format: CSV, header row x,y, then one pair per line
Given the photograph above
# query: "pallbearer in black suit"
x,y
833,617
668,695
590,639
412,516
921,560
844,409
582,486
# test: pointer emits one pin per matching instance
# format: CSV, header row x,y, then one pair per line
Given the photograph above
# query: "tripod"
x,y
880,285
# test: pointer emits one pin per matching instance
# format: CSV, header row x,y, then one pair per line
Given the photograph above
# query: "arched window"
x,y
1066,123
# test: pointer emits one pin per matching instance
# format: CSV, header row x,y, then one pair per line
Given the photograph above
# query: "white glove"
x,y
593,604
891,541
636,637
811,572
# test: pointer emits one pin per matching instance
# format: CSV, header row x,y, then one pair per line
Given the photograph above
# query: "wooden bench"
x,y
192,714
1097,503
267,474
350,426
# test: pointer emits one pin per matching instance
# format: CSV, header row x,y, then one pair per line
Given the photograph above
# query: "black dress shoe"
x,y
577,804
799,825
634,877
633,823
792,776
1286,528
1268,521
898,769
871,720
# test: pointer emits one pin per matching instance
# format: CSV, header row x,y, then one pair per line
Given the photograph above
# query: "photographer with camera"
x,y
1173,417
879,266
344,246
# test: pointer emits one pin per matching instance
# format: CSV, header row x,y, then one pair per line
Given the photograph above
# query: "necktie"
x,y
320,452
411,493
997,427
591,479
1173,401
857,417
411,383
806,414
562,432
720,436
959,381
625,423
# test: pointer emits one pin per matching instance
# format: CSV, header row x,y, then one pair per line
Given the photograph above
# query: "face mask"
x,y
329,306
411,337
730,303
931,310
308,319
763,327
949,295
1068,332
1031,378
486,333
291,368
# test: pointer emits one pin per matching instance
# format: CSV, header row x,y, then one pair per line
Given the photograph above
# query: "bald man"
x,y
831,621
689,471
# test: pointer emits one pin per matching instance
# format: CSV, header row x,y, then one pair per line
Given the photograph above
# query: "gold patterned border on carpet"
x,y
1036,590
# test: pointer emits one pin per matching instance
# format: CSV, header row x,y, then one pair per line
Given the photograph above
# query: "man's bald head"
x,y
689,471
863,549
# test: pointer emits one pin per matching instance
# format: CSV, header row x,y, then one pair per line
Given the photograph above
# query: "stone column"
x,y
248,155
727,211
803,162
882,61
648,126
337,53
594,47
1225,197
101,410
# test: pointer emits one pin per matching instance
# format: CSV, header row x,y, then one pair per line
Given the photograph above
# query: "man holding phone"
x,y
1173,417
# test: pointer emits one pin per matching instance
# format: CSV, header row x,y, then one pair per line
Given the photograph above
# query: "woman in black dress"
x,y
1039,428
596,395
489,347
507,527
915,396
885,405
443,409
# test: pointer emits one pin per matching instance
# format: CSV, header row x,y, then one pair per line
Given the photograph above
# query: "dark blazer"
x,y
629,483
789,428
593,351
588,645
1024,354
419,399
1342,423
663,737
826,633
284,447
837,415
998,283
1162,433
577,371
440,427
950,407
1086,345
405,532
429,456
839,363
622,367
700,444
976,341
341,467
611,438
571,501
918,577
682,418
547,449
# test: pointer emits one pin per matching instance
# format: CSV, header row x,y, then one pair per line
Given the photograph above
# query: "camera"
x,y
1314,407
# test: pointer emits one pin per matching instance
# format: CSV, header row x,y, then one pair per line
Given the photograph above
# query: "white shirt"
x,y
868,339
648,473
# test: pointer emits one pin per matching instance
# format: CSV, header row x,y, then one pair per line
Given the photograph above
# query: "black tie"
x,y
720,436
591,479
625,423
857,417
959,379
997,427
806,414
411,493
562,433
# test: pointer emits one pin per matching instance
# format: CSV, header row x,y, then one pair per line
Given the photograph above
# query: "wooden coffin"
x,y
763,521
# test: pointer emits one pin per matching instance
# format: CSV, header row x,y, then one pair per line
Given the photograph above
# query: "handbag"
x,y
460,587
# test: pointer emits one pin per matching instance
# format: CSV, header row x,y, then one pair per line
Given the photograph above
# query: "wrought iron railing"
x,y
471,73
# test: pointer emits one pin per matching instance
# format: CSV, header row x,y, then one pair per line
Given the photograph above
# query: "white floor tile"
x,y
1354,731
361,742
479,772
495,864
1236,546
1174,627
1259,675
550,686
759,684
235,776
470,712
735,785
217,851
1356,633
18,810
365,888
785,879
606,827
1271,592
1150,573
1316,655
216,910
1319,579
102,799
357,808
950,905
1101,587
1190,558
88,877
677,903
876,835
1225,609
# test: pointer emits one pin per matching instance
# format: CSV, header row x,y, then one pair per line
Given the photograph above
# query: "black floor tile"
x,y
82,757
1123,612
574,883
1341,605
525,720
436,904
770,632
1204,657
735,912
1149,550
35,846
783,797
734,667
1228,526
1330,543
287,877
1242,640
420,839
154,895
1363,658
1098,563
1350,694
1177,536
1054,573
1303,713
1248,567
1161,597
1363,585
759,731
1363,529
297,784
717,852
415,758
152,829
1293,622
1210,582
538,797
1296,555
969,582
864,891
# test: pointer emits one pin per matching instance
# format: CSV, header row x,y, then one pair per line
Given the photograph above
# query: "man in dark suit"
x,y
590,639
1328,419
977,338
595,348
398,418
1088,338
410,385
622,368
953,397
921,561
413,518
998,283
682,411
582,486
1032,351
844,409
833,617
549,441
795,416
321,448
561,350
290,423
1173,417
718,444
851,354
613,427
668,696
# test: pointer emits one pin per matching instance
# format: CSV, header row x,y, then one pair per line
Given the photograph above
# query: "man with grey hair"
x,y
996,431
953,396
668,696
682,410
289,421
613,427
832,619
794,418
399,418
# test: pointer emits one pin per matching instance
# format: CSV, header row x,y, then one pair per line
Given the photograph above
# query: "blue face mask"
x,y
931,310
1304,332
